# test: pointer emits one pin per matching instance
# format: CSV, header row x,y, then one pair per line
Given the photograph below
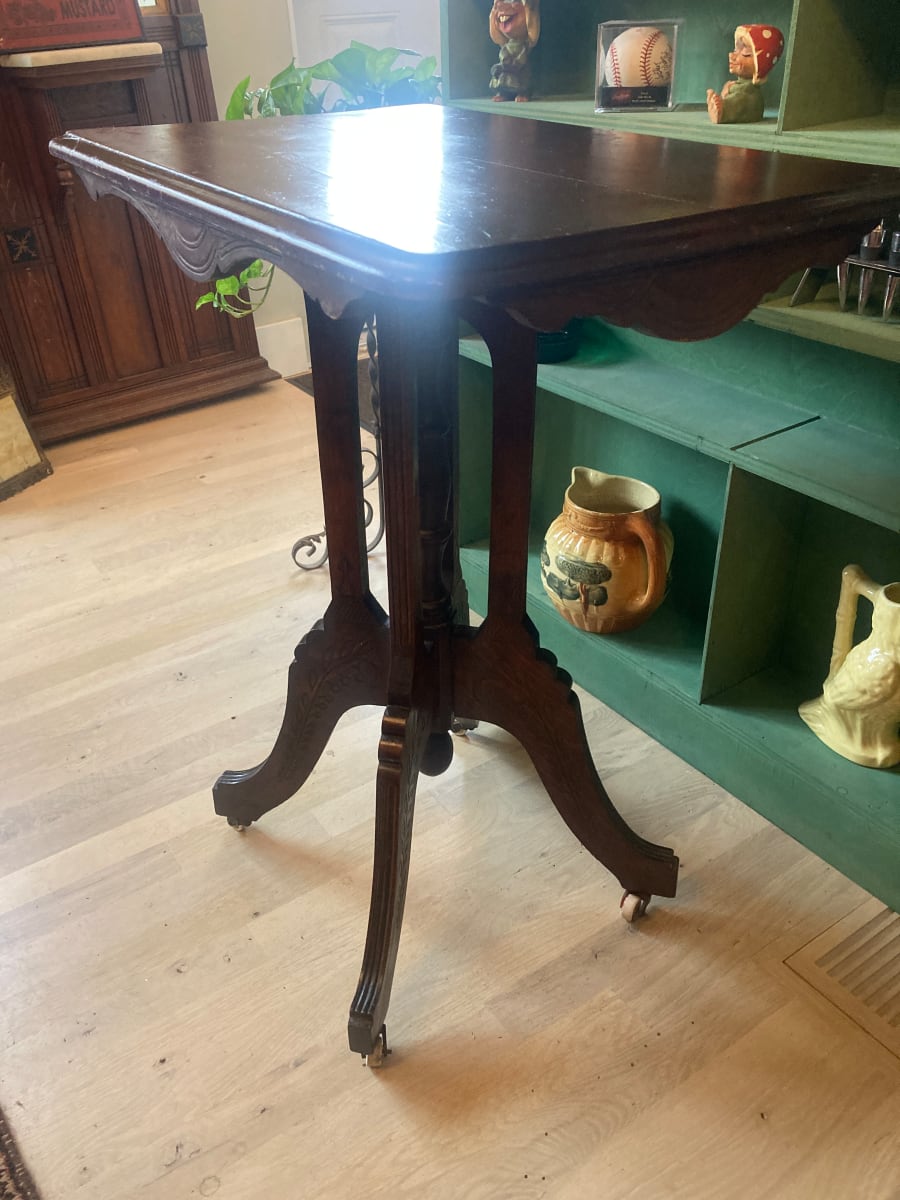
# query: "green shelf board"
x,y
685,124
873,139
845,467
763,710
750,740
667,649
823,321
701,413
824,459
848,814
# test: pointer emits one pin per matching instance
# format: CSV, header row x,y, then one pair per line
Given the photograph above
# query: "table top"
x,y
429,201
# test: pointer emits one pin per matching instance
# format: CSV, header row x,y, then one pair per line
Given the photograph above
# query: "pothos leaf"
x,y
236,110
230,285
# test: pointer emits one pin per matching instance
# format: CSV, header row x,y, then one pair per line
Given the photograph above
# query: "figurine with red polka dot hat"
x,y
757,48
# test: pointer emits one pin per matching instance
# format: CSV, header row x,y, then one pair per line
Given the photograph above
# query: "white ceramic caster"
x,y
632,906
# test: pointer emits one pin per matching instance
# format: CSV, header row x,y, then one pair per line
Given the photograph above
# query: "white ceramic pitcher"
x,y
858,713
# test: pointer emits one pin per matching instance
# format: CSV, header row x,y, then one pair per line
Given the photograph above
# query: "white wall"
x,y
325,26
257,38
254,37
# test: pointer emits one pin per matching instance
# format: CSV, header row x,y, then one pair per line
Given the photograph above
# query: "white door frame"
x,y
327,26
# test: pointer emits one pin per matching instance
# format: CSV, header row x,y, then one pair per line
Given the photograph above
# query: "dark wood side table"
x,y
426,215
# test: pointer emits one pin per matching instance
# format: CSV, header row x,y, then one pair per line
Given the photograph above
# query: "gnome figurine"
x,y
757,48
515,26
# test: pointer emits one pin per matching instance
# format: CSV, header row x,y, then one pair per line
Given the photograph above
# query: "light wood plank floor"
x,y
174,995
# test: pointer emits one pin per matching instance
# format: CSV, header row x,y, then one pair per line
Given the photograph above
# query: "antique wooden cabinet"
x,y
97,325
776,447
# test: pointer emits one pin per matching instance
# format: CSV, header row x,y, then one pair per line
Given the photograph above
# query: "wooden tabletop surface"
x,y
408,200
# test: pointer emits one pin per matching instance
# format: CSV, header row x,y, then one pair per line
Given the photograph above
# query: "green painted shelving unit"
x,y
776,447
768,499
835,94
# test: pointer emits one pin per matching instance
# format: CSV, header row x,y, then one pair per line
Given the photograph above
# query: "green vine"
x,y
236,294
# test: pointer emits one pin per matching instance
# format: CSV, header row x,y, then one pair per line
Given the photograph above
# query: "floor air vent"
x,y
856,965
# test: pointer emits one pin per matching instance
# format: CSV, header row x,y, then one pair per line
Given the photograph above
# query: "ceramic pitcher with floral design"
x,y
606,557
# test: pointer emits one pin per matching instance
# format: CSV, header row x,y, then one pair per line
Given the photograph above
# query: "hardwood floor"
x,y
175,995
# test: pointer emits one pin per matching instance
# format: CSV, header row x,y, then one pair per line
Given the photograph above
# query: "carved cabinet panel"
x,y
96,323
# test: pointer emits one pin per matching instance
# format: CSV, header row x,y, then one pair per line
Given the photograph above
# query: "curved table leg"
x,y
418,359
342,662
404,736
345,658
501,674
508,680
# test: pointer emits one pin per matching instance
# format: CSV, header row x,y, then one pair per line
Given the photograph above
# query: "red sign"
x,y
54,24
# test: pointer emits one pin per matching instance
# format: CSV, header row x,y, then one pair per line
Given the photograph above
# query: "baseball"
x,y
639,57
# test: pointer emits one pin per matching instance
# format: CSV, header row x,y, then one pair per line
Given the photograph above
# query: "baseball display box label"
x,y
636,65
59,24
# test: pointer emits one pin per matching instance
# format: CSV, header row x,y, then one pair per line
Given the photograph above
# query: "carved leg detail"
x,y
404,736
500,673
342,662
510,681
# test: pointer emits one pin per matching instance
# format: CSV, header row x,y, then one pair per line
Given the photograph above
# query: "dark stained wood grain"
x,y
484,206
96,322
423,216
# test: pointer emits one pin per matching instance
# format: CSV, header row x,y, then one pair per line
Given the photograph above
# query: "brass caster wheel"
x,y
633,905
377,1056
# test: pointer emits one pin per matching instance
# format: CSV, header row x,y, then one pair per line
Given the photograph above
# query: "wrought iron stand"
x,y
311,551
